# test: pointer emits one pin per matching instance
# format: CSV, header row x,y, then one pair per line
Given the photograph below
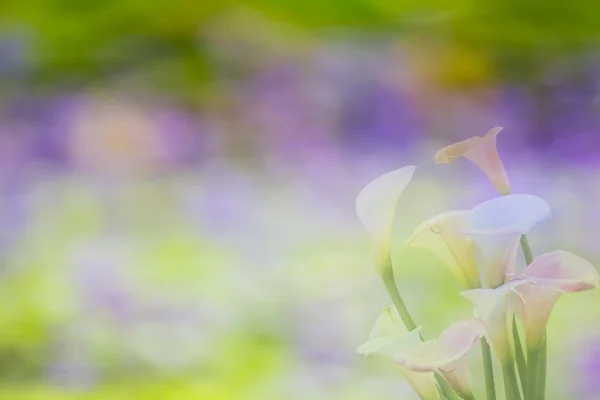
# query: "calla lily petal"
x,y
388,323
447,355
509,214
496,226
562,270
376,203
389,338
422,358
551,274
423,383
482,151
495,308
390,345
443,235
535,307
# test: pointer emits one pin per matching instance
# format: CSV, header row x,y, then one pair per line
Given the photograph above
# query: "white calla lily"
x,y
376,203
496,308
389,338
444,236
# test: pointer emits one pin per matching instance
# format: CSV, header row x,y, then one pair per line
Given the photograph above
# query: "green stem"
x,y
533,363
468,396
387,274
537,387
440,393
541,384
526,249
511,386
390,284
520,357
488,370
447,391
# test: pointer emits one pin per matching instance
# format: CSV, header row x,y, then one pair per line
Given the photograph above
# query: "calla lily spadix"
x,y
376,206
443,235
389,337
447,356
550,275
483,152
496,226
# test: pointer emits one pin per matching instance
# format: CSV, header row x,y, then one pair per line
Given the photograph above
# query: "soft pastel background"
x,y
177,185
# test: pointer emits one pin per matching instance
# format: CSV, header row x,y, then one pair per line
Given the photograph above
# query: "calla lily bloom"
x,y
443,235
496,308
447,355
496,226
389,337
376,206
550,274
482,151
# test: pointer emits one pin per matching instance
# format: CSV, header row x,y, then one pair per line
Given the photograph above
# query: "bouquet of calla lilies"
x,y
480,246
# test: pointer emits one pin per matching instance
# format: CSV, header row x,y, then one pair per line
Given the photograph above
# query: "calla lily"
x,y
496,226
447,355
496,308
550,274
482,151
376,206
389,337
443,235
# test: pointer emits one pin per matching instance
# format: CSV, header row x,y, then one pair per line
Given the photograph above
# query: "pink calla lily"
x,y
550,275
483,152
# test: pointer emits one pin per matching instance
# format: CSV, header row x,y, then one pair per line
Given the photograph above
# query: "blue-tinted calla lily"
x,y
496,226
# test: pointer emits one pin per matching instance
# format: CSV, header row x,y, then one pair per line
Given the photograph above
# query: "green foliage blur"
x,y
165,40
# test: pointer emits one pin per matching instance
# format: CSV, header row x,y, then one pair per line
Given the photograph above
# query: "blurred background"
x,y
177,185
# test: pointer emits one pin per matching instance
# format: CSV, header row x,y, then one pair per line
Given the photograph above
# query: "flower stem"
x,y
533,376
520,357
511,386
390,284
488,370
446,390
536,356
541,384
387,274
526,249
